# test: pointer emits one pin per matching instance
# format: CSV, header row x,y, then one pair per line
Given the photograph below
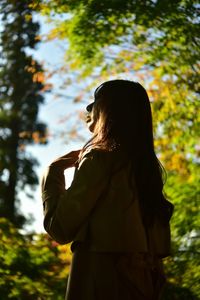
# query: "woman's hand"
x,y
66,161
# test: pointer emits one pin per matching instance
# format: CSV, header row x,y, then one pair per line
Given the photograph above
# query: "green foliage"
x,y
31,266
21,86
156,31
183,267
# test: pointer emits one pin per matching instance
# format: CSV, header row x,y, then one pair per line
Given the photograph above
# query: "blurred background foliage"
x,y
156,42
32,266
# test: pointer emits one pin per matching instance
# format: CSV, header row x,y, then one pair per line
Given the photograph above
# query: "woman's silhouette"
x,y
114,212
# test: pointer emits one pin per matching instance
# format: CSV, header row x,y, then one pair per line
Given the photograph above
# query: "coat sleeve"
x,y
66,210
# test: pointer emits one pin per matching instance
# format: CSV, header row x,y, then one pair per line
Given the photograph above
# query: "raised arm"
x,y
66,210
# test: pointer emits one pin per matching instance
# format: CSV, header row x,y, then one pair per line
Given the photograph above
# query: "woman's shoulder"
x,y
102,159
99,156
102,154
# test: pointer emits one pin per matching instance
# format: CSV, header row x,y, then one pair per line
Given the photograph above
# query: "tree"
x,y
21,86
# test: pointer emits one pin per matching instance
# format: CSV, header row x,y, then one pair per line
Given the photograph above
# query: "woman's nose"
x,y
89,107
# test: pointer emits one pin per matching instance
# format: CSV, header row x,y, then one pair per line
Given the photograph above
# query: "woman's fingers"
x,y
71,154
66,161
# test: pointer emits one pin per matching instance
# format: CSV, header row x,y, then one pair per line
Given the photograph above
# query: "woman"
x,y
114,212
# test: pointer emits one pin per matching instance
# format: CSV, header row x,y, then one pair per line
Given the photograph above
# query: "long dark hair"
x,y
124,120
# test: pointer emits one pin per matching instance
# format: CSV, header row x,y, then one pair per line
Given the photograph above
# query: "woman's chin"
x,y
90,126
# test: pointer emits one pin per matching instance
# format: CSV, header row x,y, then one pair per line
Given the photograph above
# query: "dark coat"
x,y
101,210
